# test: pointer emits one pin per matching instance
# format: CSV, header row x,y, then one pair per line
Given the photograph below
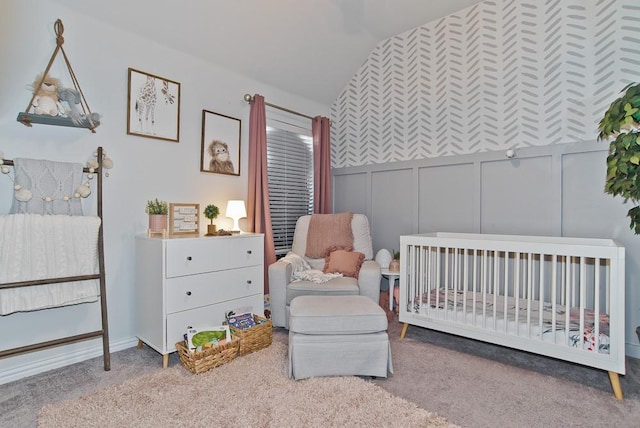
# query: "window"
x,y
290,171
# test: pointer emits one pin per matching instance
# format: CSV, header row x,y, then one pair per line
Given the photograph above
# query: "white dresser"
x,y
193,281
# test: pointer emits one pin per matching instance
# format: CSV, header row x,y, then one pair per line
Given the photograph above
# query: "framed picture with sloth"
x,y
220,150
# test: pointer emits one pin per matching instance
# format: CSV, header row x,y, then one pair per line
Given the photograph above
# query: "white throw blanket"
x,y
301,270
47,178
34,246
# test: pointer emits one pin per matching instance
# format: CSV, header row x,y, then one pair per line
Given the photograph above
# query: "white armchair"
x,y
282,289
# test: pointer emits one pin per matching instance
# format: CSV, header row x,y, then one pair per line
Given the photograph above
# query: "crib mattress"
x,y
521,317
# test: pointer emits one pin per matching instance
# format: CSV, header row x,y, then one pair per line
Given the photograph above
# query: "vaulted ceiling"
x,y
310,48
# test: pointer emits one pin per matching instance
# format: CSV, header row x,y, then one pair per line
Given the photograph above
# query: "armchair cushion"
x,y
344,261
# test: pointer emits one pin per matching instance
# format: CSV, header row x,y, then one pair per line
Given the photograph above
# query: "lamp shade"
x,y
383,257
236,210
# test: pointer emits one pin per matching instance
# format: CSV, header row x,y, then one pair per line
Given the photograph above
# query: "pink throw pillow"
x,y
343,261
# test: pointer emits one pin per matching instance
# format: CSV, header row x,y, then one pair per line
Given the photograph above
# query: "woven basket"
x,y
254,338
200,362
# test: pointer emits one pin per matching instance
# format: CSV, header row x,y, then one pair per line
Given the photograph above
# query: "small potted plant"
x,y
394,264
157,211
211,212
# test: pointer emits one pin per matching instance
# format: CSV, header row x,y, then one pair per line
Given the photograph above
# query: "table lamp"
x,y
236,210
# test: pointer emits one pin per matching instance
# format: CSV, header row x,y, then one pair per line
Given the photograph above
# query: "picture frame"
x,y
153,106
184,219
220,148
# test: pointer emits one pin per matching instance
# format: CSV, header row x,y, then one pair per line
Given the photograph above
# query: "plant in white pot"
x,y
211,212
394,264
157,211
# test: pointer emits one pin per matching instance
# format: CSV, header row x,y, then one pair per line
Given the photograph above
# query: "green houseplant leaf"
x,y
621,123
211,212
157,207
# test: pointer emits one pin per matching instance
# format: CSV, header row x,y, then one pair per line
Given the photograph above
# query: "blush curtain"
x,y
258,213
320,129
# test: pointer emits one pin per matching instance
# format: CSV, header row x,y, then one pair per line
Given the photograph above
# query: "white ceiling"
x,y
310,48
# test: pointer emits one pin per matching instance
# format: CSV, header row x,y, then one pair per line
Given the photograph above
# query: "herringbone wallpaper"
x,y
501,74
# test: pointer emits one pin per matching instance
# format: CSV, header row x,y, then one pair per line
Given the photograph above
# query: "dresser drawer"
x,y
187,292
194,256
206,316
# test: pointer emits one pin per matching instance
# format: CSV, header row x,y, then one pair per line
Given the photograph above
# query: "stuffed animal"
x,y
219,151
72,98
46,100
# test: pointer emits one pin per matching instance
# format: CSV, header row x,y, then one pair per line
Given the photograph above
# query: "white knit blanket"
x,y
301,270
34,246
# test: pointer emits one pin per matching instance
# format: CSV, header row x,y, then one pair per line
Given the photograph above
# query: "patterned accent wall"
x,y
498,75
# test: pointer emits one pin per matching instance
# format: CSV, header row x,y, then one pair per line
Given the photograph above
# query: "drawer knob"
x,y
189,258
248,251
188,293
248,281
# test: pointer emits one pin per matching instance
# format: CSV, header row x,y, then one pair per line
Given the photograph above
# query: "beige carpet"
x,y
251,391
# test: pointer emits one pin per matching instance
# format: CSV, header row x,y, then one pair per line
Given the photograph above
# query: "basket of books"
x,y
202,361
253,331
203,351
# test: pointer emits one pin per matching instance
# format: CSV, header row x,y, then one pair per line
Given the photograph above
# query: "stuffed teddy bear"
x,y
46,100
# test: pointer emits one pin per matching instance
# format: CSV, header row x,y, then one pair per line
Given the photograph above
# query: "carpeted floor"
x,y
470,383
476,384
250,391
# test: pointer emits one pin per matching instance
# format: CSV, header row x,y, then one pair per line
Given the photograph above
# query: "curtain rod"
x,y
248,98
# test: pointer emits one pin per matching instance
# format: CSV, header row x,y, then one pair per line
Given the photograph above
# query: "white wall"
x,y
145,168
547,190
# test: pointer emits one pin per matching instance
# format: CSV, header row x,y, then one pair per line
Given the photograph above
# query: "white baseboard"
x,y
632,350
62,360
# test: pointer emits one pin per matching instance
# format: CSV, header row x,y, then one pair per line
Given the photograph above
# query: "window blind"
x,y
290,172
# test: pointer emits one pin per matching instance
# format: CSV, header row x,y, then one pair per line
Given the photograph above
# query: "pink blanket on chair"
x,y
326,231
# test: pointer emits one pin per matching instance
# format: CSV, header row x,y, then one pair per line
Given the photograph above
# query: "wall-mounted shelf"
x,y
28,118
85,119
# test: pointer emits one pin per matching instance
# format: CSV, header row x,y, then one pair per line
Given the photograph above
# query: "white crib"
x,y
554,296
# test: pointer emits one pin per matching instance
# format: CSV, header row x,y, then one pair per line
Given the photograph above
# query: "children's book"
x,y
241,321
199,338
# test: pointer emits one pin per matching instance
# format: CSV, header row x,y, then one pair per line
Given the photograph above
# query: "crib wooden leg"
x,y
139,344
615,384
404,330
165,361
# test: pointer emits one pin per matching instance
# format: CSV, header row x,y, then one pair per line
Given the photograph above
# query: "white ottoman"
x,y
338,336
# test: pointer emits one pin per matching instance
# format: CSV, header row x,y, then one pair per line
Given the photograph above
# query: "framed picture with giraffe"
x,y
153,106
220,149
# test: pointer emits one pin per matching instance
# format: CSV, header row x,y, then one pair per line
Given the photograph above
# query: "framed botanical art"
x,y
220,150
153,106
